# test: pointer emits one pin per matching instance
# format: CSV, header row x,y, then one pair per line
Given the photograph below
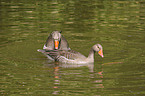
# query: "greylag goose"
x,y
73,57
56,41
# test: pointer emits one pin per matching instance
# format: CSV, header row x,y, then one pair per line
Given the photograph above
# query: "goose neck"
x,y
91,55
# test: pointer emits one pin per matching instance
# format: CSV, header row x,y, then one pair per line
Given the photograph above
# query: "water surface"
x,y
119,26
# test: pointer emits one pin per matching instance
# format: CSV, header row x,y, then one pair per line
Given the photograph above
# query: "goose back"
x,y
69,54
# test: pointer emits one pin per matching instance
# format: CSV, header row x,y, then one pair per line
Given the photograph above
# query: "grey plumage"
x,y
56,35
73,57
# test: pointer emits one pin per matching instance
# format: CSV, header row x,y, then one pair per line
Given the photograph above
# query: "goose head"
x,y
98,48
56,35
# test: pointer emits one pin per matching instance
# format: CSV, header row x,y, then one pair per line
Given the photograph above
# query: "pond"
x,y
119,26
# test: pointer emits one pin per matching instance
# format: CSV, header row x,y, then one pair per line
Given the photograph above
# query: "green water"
x,y
119,26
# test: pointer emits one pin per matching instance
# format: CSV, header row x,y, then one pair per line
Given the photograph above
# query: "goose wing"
x,y
71,54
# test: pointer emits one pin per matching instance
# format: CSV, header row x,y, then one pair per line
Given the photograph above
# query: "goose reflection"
x,y
89,65
65,75
63,65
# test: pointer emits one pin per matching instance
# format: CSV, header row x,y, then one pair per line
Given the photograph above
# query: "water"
x,y
119,26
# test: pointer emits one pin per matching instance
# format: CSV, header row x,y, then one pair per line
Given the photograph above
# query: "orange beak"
x,y
101,53
56,44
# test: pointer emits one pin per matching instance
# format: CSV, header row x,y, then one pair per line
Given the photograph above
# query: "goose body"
x,y
56,41
73,57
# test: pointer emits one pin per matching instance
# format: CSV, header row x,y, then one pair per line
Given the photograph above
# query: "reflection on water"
x,y
73,78
117,25
90,66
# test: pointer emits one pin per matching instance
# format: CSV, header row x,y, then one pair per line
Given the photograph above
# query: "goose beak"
x,y
56,44
101,53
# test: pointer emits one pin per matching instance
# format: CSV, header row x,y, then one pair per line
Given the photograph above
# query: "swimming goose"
x,y
73,57
56,41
